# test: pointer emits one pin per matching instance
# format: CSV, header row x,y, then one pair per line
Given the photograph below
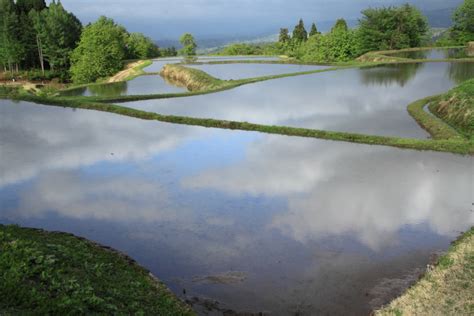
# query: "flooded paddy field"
x,y
256,222
362,100
152,84
440,53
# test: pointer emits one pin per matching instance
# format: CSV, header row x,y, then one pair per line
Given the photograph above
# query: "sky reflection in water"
x,y
305,221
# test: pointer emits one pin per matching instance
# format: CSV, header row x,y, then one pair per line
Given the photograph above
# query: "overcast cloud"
x,y
208,18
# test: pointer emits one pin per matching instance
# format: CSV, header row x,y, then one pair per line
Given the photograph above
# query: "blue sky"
x,y
167,19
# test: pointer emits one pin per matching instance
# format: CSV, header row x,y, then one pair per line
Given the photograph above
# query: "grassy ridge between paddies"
x,y
459,146
457,108
49,273
447,288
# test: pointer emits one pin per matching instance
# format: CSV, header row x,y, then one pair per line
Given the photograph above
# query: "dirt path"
x,y
130,70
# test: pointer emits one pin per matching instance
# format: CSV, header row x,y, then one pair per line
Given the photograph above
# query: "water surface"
x,y
440,53
159,63
260,223
241,71
370,100
236,58
152,84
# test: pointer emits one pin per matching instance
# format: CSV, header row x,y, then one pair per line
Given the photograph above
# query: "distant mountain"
x,y
440,17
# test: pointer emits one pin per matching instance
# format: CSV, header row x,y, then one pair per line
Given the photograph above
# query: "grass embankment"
x,y
455,146
446,288
457,108
45,273
190,78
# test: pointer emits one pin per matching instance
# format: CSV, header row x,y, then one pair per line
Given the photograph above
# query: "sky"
x,y
167,19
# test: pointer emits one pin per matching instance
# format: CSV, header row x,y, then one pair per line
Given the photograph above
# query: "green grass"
x,y
445,289
457,108
45,273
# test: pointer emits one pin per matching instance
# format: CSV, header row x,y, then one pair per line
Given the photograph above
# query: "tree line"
x,y
385,28
36,36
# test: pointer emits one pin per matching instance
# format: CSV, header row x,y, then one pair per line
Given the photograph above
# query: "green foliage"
x,y
189,45
26,6
299,32
341,44
341,25
100,53
314,30
463,23
59,274
239,49
141,47
58,32
169,52
11,49
32,34
338,45
391,28
284,36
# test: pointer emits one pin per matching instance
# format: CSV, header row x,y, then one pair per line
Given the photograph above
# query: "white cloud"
x,y
39,138
337,189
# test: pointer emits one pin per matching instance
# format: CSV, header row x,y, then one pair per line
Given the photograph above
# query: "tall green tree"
x,y
169,52
392,28
299,32
341,24
27,33
338,45
26,6
11,50
314,30
284,36
462,30
189,45
61,33
100,52
57,34
140,46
